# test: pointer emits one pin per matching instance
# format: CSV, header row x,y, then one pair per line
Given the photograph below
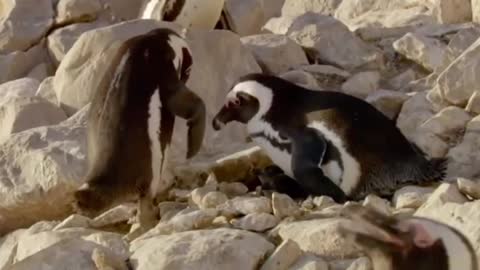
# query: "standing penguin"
x,y
205,14
131,120
331,143
394,243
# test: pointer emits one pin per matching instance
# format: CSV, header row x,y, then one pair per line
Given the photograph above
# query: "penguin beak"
x,y
223,117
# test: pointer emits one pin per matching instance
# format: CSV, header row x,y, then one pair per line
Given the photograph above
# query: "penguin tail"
x,y
434,170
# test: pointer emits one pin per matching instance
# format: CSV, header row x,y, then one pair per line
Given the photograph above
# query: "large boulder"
x,y
299,7
17,64
246,17
23,23
206,249
41,168
77,10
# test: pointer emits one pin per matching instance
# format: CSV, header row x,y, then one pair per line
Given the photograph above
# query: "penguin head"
x,y
394,243
248,99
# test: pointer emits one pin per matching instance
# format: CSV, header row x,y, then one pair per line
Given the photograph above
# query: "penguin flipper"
x,y
273,178
189,106
308,150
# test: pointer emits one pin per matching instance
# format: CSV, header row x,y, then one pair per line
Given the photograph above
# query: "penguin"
x,y
190,14
329,142
273,178
394,243
130,125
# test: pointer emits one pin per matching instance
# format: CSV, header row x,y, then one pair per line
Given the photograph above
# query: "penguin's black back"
x,y
386,156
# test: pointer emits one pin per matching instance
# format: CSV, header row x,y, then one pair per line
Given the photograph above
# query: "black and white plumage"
x,y
394,243
193,14
131,120
329,142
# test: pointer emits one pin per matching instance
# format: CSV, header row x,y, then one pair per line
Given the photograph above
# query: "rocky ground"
x,y
416,61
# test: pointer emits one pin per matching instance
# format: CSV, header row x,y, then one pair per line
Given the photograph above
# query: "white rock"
x,y
283,257
310,262
17,64
317,32
41,168
362,263
169,209
325,70
320,237
275,53
213,199
198,194
73,221
45,90
121,10
61,40
74,253
25,87
460,41
39,72
476,10
378,204
322,202
250,205
362,84
473,105
432,145
77,10
8,247
299,7
115,215
205,249
233,189
301,78
284,206
428,52
469,187
247,16
387,101
464,158
459,80
23,24
258,222
23,113
445,193
411,196
401,80
415,111
278,25
452,11
447,123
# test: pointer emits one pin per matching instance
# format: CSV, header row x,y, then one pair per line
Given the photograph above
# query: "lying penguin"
x,y
392,243
130,124
330,143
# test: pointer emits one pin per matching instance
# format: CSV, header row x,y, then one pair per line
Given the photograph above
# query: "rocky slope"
x,y
416,61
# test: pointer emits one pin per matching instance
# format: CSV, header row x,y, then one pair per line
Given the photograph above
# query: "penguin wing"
x,y
186,104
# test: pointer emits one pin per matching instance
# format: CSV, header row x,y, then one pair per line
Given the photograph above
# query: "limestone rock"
x,y
469,187
77,10
432,145
248,205
206,249
464,158
25,87
257,222
17,64
115,215
378,204
169,209
198,194
61,40
23,24
322,202
362,84
460,41
327,77
319,237
39,72
317,32
301,78
310,262
411,196
247,16
362,263
452,11
45,90
428,52
473,105
73,221
279,25
120,10
213,199
283,257
284,206
275,53
447,124
299,7
387,101
444,194
415,111
476,10
459,80
41,167
401,80
22,113
72,254
8,247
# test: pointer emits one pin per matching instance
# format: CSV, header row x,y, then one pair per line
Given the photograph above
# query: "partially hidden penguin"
x,y
394,243
327,142
130,125
191,14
